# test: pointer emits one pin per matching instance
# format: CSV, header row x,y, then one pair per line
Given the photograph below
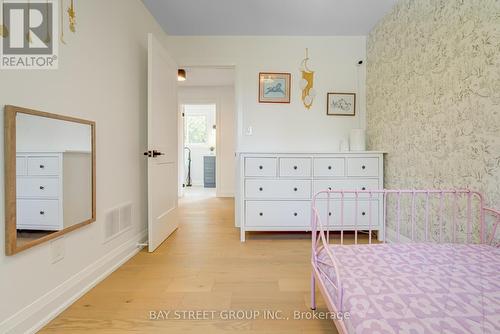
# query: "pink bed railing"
x,y
439,216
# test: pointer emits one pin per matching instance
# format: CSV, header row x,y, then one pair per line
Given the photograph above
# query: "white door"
x,y
162,144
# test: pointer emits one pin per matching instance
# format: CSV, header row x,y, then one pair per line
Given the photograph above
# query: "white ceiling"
x,y
268,17
208,76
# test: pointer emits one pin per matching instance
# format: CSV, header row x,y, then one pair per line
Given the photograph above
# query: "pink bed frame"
x,y
321,233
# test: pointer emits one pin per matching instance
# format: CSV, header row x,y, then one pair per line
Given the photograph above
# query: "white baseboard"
x,y
39,313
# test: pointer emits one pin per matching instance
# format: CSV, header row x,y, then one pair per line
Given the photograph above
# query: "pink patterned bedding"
x,y
418,288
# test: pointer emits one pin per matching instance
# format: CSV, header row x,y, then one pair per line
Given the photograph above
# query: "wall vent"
x,y
112,224
118,220
125,216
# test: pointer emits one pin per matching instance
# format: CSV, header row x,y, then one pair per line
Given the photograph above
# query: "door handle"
x,y
153,153
157,153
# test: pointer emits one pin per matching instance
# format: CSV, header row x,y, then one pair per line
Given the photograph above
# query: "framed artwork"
x,y
274,87
341,104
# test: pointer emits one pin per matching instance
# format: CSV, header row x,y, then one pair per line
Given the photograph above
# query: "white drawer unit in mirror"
x,y
49,176
276,190
39,191
42,202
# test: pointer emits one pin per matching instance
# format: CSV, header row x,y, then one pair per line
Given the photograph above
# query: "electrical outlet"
x,y
57,249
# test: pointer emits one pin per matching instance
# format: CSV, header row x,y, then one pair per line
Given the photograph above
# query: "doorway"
x,y
206,98
199,130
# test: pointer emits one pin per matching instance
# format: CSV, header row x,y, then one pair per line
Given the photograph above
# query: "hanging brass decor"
x,y
48,38
4,32
28,34
72,17
62,22
306,83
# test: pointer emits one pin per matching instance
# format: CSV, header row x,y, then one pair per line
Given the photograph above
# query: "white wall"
x,y
102,76
284,127
41,134
223,97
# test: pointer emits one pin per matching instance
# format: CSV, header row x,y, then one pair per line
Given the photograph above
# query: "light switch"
x,y
249,131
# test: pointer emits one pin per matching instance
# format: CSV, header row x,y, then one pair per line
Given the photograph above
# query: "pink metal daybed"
x,y
435,270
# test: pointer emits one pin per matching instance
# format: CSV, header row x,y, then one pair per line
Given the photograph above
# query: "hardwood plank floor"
x,y
203,266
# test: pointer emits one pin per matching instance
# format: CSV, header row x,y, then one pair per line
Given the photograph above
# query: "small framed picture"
x,y
341,104
274,87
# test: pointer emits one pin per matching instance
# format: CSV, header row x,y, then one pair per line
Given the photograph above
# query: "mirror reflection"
x,y
53,176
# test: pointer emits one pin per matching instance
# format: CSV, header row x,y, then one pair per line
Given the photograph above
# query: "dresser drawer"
x,y
278,214
333,213
260,166
21,166
37,187
43,166
367,167
278,189
38,214
329,167
295,167
350,184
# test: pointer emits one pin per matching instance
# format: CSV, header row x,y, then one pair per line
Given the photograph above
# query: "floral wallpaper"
x,y
433,95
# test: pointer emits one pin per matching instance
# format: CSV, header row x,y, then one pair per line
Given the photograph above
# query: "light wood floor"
x,y
203,266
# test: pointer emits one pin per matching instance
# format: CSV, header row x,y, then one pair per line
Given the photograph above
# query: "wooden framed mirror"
x,y
50,176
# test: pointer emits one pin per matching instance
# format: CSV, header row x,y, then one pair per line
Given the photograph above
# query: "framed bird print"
x,y
274,87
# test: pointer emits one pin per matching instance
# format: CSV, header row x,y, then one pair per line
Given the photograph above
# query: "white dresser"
x,y
276,190
45,182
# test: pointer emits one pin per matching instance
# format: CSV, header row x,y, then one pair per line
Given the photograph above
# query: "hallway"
x,y
203,266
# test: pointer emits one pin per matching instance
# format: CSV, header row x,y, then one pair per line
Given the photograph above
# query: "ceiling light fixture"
x,y
181,74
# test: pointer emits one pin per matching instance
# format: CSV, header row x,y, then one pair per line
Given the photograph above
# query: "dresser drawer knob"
x,y
42,212
329,188
42,166
260,189
261,214
364,188
295,189
363,213
330,167
261,167
295,214
363,167
42,187
295,167
329,214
